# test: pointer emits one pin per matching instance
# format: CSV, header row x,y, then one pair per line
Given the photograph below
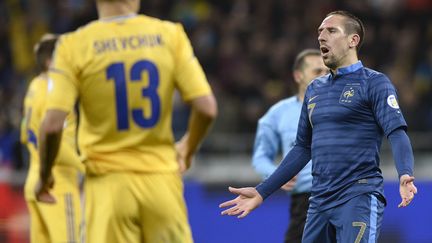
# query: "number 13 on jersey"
x,y
117,72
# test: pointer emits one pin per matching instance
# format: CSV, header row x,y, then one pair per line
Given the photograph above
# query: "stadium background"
x,y
246,48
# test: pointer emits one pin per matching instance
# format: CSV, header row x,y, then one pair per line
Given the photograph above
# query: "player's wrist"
x,y
45,177
404,178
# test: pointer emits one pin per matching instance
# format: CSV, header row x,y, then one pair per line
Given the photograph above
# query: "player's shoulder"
x,y
36,87
319,81
81,32
372,74
38,82
165,27
69,38
156,21
282,104
374,77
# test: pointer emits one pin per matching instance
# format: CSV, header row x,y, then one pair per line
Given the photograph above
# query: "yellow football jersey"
x,y
124,71
34,110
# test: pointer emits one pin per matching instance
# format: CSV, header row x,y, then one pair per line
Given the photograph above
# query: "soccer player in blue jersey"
x,y
344,117
277,131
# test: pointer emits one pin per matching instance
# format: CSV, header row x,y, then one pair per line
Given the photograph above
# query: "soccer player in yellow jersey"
x,y
124,69
58,222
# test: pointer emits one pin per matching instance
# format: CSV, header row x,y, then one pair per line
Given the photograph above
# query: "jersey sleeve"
x,y
266,146
34,109
304,130
63,82
384,103
190,78
25,123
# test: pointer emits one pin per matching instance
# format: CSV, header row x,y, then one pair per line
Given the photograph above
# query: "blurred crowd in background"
x,y
246,47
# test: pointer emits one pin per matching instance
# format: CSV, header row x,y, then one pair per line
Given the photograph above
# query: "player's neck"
x,y
348,61
300,95
112,9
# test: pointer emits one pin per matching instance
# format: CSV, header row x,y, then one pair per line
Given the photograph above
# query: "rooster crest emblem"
x,y
349,93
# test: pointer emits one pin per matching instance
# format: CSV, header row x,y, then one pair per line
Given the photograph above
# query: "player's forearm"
x,y
50,138
49,146
290,166
402,152
203,113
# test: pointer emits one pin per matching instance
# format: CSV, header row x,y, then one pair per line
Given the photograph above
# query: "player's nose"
x,y
322,36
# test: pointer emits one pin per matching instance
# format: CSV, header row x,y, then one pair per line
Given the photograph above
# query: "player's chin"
x,y
329,62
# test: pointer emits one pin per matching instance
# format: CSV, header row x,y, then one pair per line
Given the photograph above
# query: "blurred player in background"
x,y
344,117
277,130
124,69
59,222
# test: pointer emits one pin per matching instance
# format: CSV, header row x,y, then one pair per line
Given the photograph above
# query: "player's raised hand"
x,y
407,190
248,200
42,191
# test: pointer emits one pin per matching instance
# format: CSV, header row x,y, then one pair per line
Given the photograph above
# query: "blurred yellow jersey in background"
x,y
124,71
34,111
59,222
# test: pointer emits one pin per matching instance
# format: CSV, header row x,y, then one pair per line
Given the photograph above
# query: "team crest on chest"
x,y
348,94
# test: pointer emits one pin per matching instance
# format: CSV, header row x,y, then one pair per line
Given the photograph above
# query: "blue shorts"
x,y
357,220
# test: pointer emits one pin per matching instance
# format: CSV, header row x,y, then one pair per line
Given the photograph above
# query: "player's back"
x,y
34,107
125,70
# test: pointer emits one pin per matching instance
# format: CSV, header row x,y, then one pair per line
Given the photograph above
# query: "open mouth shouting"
x,y
324,51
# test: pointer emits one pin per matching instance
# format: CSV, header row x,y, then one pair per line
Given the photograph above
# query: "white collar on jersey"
x,y
118,17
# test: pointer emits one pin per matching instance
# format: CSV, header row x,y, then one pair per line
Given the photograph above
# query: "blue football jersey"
x,y
344,118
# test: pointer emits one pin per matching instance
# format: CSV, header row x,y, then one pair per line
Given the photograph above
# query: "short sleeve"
x,y
63,82
384,103
25,123
189,75
34,110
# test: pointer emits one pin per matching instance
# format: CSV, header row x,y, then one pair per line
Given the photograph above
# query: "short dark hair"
x,y
353,25
300,58
43,50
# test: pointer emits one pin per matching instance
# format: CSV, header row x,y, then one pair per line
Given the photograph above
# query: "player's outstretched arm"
x,y
248,200
404,161
407,190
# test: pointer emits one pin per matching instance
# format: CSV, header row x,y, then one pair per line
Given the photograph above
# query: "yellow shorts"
x,y
59,222
134,208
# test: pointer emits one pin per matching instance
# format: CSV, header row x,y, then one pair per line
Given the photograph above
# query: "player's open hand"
x,y
42,191
407,190
248,200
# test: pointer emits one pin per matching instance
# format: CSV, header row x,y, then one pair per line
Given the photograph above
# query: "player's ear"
x,y
298,76
354,40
